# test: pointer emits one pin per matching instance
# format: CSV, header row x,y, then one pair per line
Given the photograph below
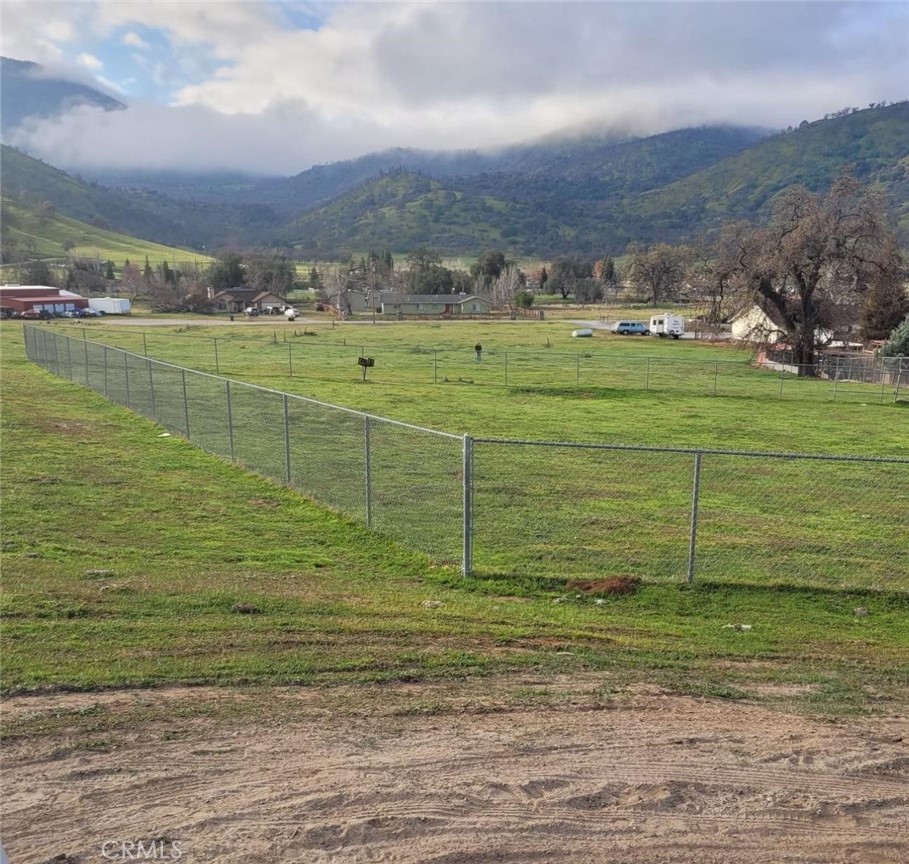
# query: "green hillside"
x,y
138,212
586,195
875,141
596,200
404,210
28,231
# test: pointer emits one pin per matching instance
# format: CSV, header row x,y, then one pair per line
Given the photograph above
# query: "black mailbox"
x,y
366,361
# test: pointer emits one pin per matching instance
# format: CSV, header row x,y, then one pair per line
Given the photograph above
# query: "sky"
x,y
275,87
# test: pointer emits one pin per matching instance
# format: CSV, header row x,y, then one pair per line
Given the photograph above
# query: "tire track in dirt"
x,y
660,778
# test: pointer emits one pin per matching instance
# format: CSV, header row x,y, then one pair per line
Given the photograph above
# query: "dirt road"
x,y
299,776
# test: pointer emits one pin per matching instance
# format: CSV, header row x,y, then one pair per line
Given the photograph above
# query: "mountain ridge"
x,y
28,92
584,196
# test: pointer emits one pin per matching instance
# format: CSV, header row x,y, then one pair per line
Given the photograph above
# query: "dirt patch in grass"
x,y
605,587
63,427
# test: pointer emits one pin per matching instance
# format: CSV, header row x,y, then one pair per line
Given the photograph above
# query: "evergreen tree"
x,y
898,343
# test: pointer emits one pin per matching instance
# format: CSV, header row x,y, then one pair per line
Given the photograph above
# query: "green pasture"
x,y
608,389
135,559
582,513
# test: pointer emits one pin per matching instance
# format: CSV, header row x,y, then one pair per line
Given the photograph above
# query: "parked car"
x,y
33,314
90,313
630,328
73,313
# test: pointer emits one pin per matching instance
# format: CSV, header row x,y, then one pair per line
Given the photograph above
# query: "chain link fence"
x,y
402,480
554,511
298,354
589,512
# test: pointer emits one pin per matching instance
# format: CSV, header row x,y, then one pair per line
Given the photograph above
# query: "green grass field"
x,y
125,555
581,513
426,373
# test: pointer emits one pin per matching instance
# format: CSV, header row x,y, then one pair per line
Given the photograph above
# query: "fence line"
x,y
551,510
871,380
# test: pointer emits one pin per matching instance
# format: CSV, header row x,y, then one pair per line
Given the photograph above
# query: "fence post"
x,y
230,423
467,555
126,376
647,376
217,361
185,404
286,441
577,374
899,375
85,346
144,346
506,368
781,382
716,372
695,496
69,359
367,449
435,366
883,384
151,388
290,356
105,371
56,357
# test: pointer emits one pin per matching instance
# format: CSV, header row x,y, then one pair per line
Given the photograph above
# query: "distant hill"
x,y
673,187
585,195
875,141
28,92
632,162
30,231
140,213
406,210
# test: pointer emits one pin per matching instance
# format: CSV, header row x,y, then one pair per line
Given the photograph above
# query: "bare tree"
x,y
713,278
502,290
337,283
131,282
817,255
658,270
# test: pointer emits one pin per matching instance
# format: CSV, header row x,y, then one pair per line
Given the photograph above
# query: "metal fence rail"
x,y
552,510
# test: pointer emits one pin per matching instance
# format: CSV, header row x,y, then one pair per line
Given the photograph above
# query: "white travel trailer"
x,y
667,325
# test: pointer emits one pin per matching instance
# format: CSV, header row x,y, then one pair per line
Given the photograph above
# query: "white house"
x,y
753,324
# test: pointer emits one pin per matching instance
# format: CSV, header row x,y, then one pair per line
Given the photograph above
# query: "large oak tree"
x,y
818,256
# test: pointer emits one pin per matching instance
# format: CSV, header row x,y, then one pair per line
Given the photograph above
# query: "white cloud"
x,y
36,32
134,40
89,61
272,96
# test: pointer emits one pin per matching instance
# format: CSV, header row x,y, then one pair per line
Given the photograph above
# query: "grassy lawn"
x,y
135,559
